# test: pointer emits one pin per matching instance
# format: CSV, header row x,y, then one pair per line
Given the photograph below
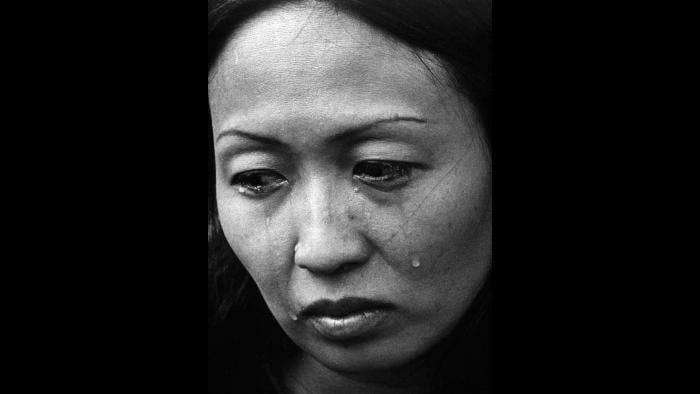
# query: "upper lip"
x,y
343,307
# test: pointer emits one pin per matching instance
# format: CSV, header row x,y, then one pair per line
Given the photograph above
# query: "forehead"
x,y
311,63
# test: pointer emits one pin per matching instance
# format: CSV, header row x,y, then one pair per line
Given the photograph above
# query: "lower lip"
x,y
350,326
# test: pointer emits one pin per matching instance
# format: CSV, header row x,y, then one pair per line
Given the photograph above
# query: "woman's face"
x,y
346,171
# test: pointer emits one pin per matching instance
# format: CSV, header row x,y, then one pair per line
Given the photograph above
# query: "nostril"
x,y
330,244
346,267
343,254
329,268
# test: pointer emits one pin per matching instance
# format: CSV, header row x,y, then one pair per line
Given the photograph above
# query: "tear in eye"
x,y
258,182
382,174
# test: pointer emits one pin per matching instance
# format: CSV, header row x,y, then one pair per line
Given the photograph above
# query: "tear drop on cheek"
x,y
415,262
293,317
356,189
241,189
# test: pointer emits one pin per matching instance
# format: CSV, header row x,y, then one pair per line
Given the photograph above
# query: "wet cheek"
x,y
261,257
243,227
259,249
458,236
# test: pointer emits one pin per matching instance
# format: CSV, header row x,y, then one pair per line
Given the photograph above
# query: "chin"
x,y
363,358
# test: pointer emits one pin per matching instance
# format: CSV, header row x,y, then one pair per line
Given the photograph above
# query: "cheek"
x,y
258,248
448,226
241,229
448,229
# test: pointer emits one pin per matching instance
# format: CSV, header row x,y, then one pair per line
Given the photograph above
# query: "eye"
x,y
382,174
258,182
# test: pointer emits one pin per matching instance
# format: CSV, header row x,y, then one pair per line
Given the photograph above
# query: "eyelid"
x,y
237,162
392,150
399,176
411,164
250,188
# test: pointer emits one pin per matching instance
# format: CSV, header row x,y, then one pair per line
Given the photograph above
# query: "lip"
x,y
347,318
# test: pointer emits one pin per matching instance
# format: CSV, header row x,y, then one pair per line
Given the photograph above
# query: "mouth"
x,y
348,318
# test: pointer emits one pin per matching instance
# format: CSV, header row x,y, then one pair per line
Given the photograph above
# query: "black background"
x,y
108,149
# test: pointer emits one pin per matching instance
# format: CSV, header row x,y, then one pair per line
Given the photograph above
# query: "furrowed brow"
x,y
357,131
250,136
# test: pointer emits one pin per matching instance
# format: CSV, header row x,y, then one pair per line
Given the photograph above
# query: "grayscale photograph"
x,y
350,198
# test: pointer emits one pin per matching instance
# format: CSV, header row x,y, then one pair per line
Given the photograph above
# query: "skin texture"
x,y
305,76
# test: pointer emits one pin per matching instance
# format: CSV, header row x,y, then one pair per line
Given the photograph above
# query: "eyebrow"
x,y
348,133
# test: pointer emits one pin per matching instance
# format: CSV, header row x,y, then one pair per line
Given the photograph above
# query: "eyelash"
x,y
254,182
382,175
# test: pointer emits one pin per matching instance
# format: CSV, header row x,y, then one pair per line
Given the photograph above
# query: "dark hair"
x,y
458,32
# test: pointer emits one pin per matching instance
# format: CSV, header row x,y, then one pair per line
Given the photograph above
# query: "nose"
x,y
329,240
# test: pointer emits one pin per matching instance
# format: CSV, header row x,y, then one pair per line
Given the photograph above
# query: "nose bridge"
x,y
318,202
328,240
